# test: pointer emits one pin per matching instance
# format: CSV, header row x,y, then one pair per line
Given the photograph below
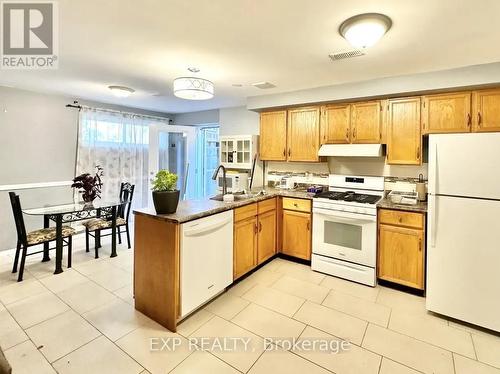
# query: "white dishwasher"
x,y
206,256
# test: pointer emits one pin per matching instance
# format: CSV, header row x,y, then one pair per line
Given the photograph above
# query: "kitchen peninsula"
x,y
163,289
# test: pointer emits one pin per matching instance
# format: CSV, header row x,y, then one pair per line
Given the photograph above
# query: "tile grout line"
x,y
474,346
364,334
480,362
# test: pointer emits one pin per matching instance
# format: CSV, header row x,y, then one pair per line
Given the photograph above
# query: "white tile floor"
x,y
83,321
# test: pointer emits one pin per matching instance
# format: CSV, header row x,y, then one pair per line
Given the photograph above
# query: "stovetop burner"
x,y
349,196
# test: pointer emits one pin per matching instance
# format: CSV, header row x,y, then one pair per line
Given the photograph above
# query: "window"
x,y
111,131
208,161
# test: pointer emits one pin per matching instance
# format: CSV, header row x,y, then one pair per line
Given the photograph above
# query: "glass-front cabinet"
x,y
238,152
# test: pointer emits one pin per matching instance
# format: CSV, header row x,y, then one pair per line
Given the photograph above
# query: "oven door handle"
x,y
345,216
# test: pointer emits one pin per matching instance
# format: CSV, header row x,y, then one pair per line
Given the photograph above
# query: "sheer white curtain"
x,y
119,143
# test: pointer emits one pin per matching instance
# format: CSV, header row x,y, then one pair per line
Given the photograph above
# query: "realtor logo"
x,y
29,35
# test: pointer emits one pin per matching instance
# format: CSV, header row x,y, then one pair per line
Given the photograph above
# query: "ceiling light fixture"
x,y
121,91
192,88
364,30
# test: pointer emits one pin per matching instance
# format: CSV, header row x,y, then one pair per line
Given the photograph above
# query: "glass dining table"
x,y
67,213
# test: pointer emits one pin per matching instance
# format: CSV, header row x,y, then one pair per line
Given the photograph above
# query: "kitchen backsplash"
x,y
351,166
373,166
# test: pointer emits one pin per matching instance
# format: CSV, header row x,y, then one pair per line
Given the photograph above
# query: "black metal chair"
x,y
96,225
41,236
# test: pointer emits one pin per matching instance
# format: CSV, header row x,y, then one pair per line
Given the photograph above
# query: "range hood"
x,y
351,150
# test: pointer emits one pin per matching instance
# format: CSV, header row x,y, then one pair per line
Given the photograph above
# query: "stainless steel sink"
x,y
236,197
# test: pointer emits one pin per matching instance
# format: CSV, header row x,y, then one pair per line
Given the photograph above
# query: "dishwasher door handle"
x,y
198,230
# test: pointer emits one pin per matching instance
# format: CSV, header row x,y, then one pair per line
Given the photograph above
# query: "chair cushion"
x,y
46,235
101,223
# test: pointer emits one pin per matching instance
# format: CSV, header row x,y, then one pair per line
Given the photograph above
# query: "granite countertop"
x,y
189,210
388,204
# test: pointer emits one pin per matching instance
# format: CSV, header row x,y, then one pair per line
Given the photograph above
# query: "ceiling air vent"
x,y
346,54
263,85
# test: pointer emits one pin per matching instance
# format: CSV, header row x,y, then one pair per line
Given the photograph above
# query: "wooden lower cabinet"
x,y
401,253
245,246
297,234
254,236
266,236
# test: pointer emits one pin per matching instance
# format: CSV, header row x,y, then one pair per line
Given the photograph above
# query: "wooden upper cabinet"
x,y
404,139
366,122
336,124
446,113
303,134
273,137
486,110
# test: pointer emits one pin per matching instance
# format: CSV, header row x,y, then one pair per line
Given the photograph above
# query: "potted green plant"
x,y
165,195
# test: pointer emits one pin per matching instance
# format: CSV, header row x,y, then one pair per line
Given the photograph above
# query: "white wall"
x,y
238,121
375,166
204,117
38,136
477,75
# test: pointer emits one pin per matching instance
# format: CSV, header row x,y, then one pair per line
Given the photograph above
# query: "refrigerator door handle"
x,y
433,219
434,169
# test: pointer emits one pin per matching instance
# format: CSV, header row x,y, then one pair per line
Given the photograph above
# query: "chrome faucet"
x,y
224,182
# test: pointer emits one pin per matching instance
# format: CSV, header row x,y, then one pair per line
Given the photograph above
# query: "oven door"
x,y
345,236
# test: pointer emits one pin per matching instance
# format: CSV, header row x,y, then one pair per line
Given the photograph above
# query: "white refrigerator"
x,y
463,233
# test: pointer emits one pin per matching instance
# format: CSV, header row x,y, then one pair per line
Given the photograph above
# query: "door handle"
x,y
260,226
284,152
308,225
289,152
353,133
479,119
347,135
418,153
420,245
469,120
255,229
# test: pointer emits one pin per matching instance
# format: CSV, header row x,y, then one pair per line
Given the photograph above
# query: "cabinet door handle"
x,y
308,225
289,152
284,152
479,119
420,245
255,229
353,133
469,120
347,134
260,226
418,153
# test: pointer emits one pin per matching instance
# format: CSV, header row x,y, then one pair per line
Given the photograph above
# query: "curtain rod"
x,y
78,106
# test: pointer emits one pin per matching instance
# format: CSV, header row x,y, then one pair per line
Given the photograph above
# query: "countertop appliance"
x,y
463,236
345,228
287,183
206,259
235,181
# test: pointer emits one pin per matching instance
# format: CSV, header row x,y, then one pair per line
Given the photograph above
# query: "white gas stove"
x,y
345,228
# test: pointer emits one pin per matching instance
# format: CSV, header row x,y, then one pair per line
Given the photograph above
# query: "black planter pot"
x,y
166,201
